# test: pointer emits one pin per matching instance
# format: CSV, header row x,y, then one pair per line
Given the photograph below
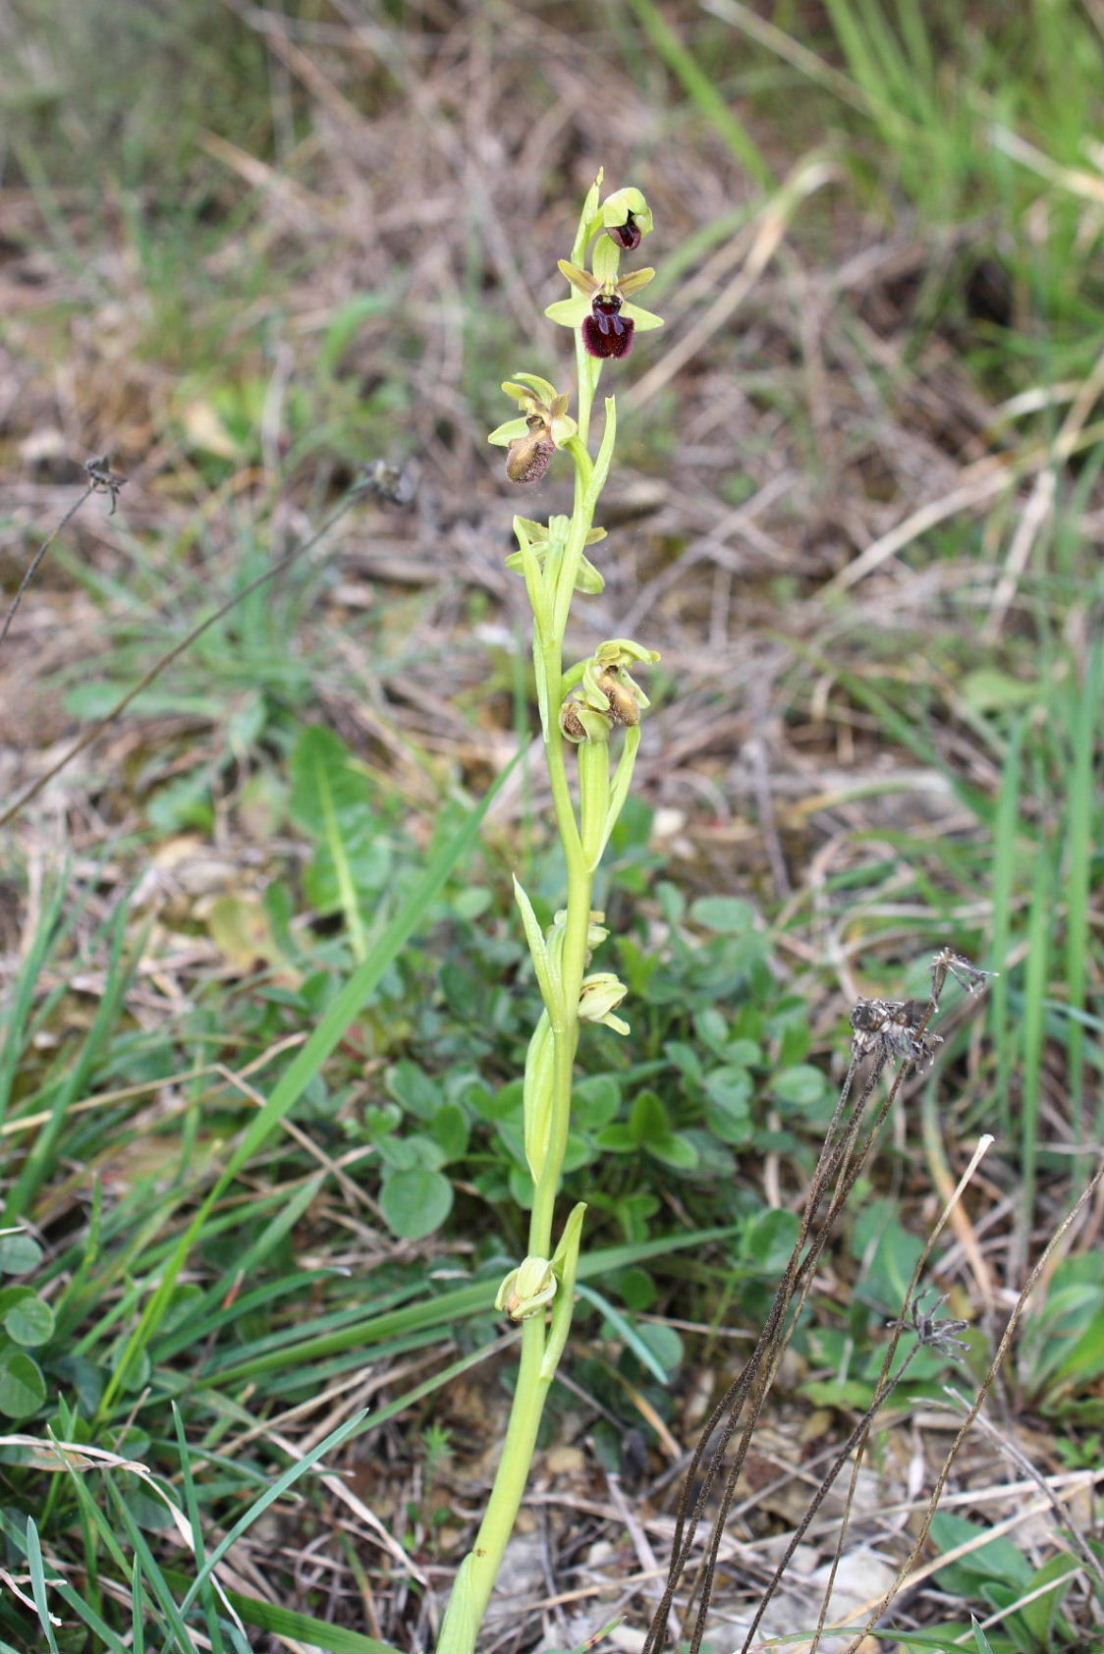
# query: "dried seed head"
x,y
104,480
390,484
888,1028
932,1332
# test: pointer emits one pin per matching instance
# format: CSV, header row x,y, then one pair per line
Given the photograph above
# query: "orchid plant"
x,y
590,719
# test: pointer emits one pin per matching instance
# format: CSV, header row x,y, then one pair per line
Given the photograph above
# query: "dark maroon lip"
x,y
627,235
605,331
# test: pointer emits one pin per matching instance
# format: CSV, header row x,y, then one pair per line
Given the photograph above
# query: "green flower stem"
x,y
548,658
587,372
474,1585
582,519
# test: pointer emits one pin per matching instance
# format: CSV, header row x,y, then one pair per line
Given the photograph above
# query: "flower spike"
x,y
590,719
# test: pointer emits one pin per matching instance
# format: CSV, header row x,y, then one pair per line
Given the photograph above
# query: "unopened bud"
x,y
527,1289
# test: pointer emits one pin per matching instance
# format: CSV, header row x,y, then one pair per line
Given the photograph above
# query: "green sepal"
x,y
512,431
569,312
524,386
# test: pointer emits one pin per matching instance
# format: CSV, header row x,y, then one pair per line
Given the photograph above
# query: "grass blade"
x,y
701,90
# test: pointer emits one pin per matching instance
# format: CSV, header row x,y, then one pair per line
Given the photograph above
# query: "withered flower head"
x,y
624,707
104,480
609,687
543,426
528,457
581,722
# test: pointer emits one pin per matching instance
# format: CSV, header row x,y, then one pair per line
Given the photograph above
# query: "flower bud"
x,y
596,927
626,217
527,1290
547,541
600,995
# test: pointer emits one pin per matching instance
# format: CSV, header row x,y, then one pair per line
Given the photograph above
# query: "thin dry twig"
x,y
884,1031
36,560
905,1570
